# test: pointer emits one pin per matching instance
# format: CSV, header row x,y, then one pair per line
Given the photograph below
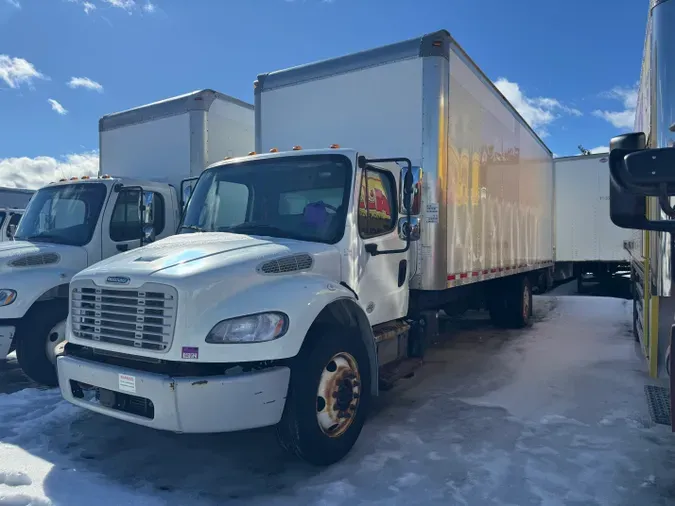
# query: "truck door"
x,y
121,230
383,279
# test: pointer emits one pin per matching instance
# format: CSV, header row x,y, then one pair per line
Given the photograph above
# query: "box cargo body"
x,y
15,198
175,138
487,177
583,229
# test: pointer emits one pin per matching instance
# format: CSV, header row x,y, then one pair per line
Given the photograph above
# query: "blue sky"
x,y
570,67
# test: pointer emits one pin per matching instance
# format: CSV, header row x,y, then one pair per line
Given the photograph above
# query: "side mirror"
x,y
147,218
636,173
626,209
409,229
186,187
411,190
148,234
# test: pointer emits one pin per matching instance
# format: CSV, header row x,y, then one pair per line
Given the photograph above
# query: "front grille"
x,y
143,318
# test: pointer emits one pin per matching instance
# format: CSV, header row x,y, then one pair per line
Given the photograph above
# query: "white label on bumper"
x,y
6,336
127,383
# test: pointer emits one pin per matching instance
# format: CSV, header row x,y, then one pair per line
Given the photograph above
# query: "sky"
x,y
570,68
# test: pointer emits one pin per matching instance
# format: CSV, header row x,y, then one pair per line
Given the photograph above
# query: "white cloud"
x,y
88,7
85,82
149,7
127,5
36,172
56,107
625,118
17,71
539,112
14,3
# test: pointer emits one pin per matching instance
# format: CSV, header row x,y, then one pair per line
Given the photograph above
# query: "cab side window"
x,y
125,224
377,203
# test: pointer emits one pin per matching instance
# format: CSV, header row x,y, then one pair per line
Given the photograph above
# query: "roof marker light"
x,y
251,153
274,150
297,148
334,146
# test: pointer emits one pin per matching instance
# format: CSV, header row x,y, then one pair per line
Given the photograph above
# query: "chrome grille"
x,y
293,263
143,318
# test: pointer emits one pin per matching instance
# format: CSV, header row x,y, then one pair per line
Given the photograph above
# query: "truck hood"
x,y
185,254
24,255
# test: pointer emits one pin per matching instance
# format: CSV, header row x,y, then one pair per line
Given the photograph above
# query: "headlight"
x,y
7,296
254,328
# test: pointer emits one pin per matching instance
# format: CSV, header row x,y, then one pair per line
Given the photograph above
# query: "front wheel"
x,y
38,338
328,397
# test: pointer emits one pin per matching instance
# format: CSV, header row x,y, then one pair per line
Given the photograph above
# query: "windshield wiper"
x,y
255,227
40,237
192,227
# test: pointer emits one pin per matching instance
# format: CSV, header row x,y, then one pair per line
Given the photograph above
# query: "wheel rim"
x,y
338,396
526,302
56,341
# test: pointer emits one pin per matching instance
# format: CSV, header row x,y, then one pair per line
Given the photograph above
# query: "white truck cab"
x,y
155,152
9,219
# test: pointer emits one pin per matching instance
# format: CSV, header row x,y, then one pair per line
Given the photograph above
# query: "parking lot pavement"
x,y
552,415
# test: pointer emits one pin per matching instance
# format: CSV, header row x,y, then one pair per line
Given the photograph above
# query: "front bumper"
x,y
180,404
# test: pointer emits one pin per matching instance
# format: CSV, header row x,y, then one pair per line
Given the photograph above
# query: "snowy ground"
x,y
554,415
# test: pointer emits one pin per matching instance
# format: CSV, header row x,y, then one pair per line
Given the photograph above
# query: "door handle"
x,y
122,247
402,272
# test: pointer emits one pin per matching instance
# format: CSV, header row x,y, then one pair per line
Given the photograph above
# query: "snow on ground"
x,y
554,415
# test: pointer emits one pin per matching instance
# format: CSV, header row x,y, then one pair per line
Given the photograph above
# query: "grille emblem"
x,y
118,280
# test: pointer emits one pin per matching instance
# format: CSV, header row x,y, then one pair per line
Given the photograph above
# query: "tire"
x,y
299,431
514,308
32,335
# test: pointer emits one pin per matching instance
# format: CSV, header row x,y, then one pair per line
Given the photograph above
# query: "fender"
x,y
32,285
300,297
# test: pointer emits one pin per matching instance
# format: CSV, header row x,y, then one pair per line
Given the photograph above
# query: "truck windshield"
x,y
64,214
298,197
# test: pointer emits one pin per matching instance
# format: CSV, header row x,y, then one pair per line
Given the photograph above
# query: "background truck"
x,y
76,222
9,219
15,198
313,278
587,243
647,207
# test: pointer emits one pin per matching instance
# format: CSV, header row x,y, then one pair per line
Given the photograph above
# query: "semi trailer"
x,y
588,246
149,157
386,186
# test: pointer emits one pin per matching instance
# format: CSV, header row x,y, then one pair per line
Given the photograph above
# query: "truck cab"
x,y
66,227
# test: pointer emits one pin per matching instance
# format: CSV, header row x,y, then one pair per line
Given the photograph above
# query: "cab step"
x,y
394,371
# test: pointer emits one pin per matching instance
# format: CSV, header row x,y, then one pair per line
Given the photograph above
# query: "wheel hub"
x,y
338,394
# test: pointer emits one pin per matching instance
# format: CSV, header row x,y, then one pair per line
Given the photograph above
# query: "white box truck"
x,y
15,198
145,154
587,243
312,278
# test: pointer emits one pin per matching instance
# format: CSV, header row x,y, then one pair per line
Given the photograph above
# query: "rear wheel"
x,y
513,309
38,337
328,397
